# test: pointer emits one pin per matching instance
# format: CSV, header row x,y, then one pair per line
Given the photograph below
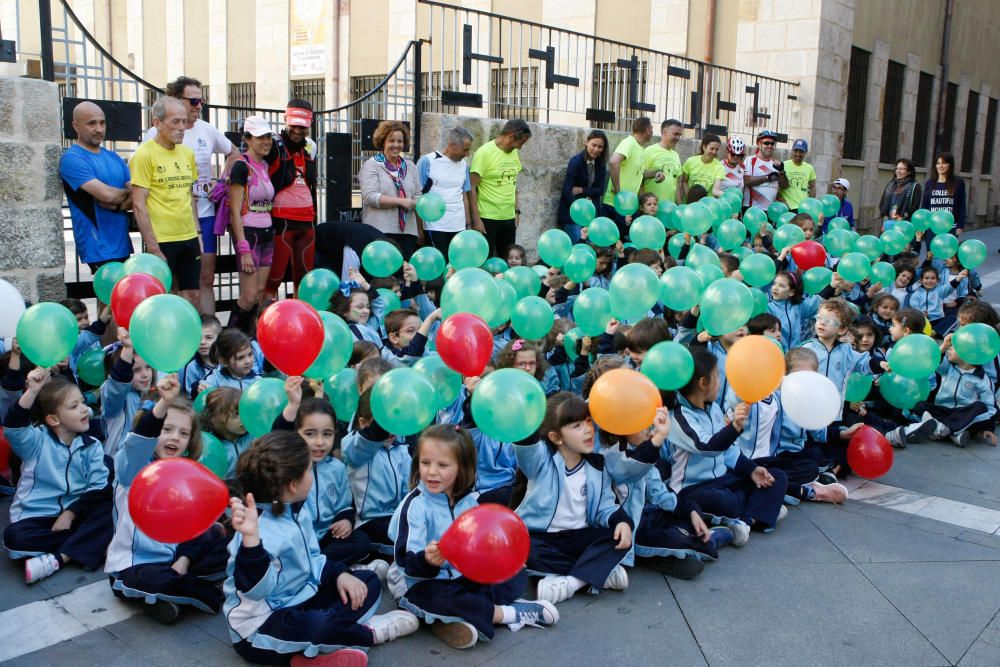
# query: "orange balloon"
x,y
624,401
755,367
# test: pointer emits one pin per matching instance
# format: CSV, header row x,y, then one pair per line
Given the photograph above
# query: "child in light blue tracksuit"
x,y
793,309
61,510
221,418
202,364
363,309
283,596
90,332
496,464
122,393
720,350
929,297
163,575
237,362
460,611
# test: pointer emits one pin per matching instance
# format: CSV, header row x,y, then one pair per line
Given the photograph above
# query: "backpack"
x,y
219,195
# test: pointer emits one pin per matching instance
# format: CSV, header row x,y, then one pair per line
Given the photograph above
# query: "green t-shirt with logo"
x,y
498,172
630,176
799,177
700,173
669,162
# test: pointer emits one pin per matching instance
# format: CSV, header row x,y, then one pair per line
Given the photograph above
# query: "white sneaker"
x,y
396,582
829,493
617,580
941,432
40,567
741,531
392,625
537,614
960,439
782,513
897,438
554,589
378,566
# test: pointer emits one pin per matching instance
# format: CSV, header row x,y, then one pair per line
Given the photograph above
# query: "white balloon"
x,y
810,399
11,309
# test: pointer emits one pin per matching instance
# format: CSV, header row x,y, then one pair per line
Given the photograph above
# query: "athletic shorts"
x,y
261,242
184,259
94,266
209,241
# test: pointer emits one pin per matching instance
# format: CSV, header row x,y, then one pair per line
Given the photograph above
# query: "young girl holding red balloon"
x,y
459,610
283,596
221,418
61,510
236,359
163,575
129,380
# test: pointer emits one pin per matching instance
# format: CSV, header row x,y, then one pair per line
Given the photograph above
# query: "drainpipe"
x,y
335,47
710,32
943,88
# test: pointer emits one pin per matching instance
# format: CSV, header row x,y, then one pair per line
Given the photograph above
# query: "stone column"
x,y
908,110
870,186
979,190
958,134
33,252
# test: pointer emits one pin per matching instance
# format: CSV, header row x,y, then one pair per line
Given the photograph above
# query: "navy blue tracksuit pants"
x,y
588,554
352,549
738,497
377,531
466,599
798,467
659,529
86,541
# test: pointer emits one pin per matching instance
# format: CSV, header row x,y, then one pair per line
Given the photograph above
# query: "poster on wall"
x,y
307,38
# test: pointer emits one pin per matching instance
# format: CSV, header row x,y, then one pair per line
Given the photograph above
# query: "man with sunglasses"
x,y
205,140
762,174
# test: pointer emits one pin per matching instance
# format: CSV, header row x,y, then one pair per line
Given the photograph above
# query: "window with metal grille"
x,y
514,93
949,117
969,140
857,97
243,97
989,137
312,91
892,108
372,107
922,121
610,92
434,83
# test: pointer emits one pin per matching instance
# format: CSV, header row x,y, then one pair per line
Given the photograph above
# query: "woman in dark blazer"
x,y
586,176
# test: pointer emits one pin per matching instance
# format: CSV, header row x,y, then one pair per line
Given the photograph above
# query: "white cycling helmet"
x,y
737,146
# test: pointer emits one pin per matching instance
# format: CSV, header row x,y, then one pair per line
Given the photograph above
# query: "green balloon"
x,y
731,234
893,242
831,205
555,245
733,192
508,405
669,365
883,272
338,344
199,401
580,265
317,287
788,236
213,455
944,246
741,252
150,265
508,299
626,202
532,318
647,232
906,228
90,367
758,270
391,299
592,310
720,210
428,263
540,270
470,291
700,254
468,249
785,219
696,219
837,223
431,207
921,219
857,387
403,401
915,356
634,289
603,232
869,246
709,273
582,211
495,265
942,221
726,306
570,340
838,242
524,280
342,392
447,383
381,259
854,267
901,392
775,210
976,343
166,331
260,405
814,208
106,278
816,279
760,304
666,213
675,245
755,218
972,253
681,288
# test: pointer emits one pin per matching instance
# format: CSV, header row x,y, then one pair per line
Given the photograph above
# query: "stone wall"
x,y
32,250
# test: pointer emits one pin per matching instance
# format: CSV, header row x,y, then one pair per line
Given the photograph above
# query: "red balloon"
x,y
465,343
808,254
176,500
4,452
129,292
290,334
869,454
487,544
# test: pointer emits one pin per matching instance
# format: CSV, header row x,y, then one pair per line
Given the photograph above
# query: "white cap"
x,y
256,126
843,182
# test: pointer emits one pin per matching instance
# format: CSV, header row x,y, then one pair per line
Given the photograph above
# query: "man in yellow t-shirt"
x,y
627,169
493,178
164,172
664,162
801,177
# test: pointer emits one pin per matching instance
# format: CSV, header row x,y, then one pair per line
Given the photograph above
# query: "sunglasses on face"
x,y
194,101
767,143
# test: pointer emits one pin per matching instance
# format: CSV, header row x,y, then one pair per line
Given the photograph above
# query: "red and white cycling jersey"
x,y
762,195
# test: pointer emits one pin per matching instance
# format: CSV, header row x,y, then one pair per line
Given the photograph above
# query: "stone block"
x,y
39,106
32,238
50,285
53,183
18,173
8,106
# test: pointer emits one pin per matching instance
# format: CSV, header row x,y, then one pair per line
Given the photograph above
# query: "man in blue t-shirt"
x,y
98,188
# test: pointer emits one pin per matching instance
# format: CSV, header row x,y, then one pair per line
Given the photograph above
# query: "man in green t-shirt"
x,y
664,162
627,169
801,177
493,177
